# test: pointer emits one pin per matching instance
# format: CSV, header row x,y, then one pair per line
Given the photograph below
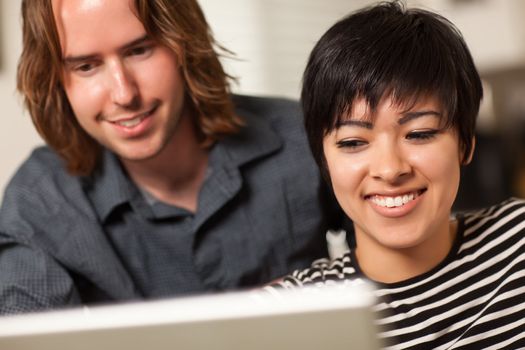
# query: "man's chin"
x,y
137,156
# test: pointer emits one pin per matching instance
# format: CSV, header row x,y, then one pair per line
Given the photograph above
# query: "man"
x,y
155,182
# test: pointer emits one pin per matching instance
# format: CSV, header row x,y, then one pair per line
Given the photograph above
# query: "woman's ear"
x,y
468,158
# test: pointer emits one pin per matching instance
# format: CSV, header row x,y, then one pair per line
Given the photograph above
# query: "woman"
x,y
390,98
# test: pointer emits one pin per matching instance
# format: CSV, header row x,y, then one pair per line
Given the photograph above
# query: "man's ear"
x,y
468,159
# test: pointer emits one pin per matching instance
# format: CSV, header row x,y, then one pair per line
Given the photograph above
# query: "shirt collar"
x,y
109,187
255,140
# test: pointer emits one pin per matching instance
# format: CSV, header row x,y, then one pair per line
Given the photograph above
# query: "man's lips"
x,y
129,122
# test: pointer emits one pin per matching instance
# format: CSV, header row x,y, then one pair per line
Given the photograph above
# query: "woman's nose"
x,y
388,163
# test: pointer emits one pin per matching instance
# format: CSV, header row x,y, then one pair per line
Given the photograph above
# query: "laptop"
x,y
333,317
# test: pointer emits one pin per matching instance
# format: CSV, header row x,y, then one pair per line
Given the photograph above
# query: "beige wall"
x,y
272,38
17,136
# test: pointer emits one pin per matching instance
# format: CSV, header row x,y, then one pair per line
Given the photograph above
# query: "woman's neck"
x,y
391,265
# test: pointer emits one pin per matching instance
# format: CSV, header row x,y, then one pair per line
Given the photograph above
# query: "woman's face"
x,y
395,173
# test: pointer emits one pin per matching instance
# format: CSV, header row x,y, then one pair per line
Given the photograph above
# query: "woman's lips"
x,y
393,206
394,201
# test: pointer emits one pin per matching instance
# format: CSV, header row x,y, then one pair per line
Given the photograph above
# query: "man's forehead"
x,y
74,10
77,4
87,26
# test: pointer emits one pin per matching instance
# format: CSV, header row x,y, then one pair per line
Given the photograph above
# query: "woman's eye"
x,y
351,144
422,135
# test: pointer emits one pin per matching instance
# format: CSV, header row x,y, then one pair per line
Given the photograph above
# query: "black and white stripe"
x,y
474,299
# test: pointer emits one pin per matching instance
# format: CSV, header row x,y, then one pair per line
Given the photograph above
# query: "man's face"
x,y
125,89
396,175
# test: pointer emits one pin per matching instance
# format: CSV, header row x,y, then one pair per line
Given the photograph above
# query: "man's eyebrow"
x,y
71,60
408,116
136,42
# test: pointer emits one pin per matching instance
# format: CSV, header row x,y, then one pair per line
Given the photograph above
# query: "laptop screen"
x,y
332,317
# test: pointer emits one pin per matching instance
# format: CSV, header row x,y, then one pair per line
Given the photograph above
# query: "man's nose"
x,y
124,90
389,163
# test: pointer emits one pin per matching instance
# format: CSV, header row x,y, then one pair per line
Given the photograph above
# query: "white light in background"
x,y
272,39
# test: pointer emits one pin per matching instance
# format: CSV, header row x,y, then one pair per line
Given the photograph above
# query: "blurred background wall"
x,y
272,39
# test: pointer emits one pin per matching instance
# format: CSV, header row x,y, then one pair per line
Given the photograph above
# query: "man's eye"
x,y
85,67
139,51
351,144
422,135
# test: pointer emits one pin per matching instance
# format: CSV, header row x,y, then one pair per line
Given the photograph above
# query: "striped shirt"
x,y
474,299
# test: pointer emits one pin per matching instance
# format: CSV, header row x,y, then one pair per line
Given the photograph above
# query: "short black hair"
x,y
389,50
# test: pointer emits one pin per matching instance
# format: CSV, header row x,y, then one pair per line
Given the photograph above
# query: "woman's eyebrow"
x,y
359,123
405,118
408,116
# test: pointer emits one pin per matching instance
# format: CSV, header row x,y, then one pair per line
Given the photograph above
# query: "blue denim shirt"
x,y
262,212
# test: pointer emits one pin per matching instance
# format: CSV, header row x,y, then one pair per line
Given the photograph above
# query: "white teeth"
x,y
391,202
398,201
130,122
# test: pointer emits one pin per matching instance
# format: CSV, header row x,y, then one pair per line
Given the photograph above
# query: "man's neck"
x,y
175,175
